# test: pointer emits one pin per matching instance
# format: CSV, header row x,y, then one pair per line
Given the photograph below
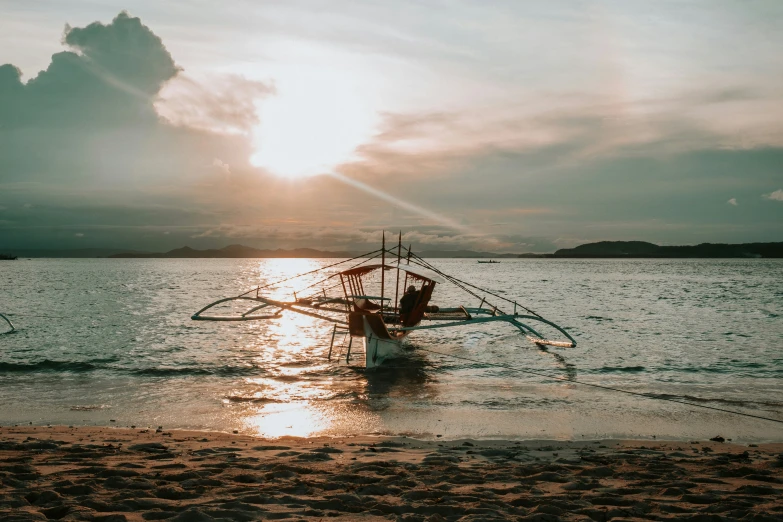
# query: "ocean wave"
x,y
47,365
325,396
717,400
254,400
738,368
218,371
620,369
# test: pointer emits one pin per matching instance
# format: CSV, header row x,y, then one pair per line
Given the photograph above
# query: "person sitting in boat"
x,y
408,303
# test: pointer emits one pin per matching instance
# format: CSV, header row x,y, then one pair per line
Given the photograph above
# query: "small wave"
x,y
736,367
219,371
254,400
47,365
733,402
599,318
90,407
621,369
110,359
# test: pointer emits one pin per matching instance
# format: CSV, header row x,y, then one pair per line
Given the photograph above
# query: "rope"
x,y
308,273
455,281
36,315
604,387
349,268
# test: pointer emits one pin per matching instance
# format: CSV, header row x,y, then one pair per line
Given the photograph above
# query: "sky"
x,y
503,126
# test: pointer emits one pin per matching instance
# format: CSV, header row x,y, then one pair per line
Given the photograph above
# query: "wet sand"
x,y
108,474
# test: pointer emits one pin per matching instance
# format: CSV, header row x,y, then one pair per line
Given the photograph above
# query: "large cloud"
x,y
84,150
90,117
110,77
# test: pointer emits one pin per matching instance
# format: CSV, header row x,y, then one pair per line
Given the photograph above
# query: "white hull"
x,y
377,350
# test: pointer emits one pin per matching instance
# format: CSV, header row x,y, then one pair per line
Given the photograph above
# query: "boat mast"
x,y
383,266
405,284
397,284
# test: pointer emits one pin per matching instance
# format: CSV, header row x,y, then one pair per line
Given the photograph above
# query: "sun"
x,y
315,122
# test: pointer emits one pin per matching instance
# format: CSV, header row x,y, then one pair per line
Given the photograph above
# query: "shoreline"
x,y
114,474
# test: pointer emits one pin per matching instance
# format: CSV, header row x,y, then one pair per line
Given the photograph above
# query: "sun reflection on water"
x,y
271,270
296,419
292,352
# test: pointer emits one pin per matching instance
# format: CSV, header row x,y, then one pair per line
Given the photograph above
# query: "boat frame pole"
x,y
397,284
383,268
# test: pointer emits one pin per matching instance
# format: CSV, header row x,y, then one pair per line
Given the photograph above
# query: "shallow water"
x,y
100,340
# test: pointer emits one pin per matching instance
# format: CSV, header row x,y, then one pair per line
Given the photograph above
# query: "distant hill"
x,y
607,249
73,253
237,252
241,251
234,251
641,249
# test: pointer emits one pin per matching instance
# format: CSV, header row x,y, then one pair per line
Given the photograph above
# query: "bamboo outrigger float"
x,y
381,324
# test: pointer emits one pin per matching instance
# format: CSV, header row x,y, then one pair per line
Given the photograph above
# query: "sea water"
x,y
111,342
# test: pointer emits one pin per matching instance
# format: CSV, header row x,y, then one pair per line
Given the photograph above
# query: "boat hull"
x,y
379,345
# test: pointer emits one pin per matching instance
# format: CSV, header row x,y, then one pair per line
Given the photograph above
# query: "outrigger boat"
x,y
357,300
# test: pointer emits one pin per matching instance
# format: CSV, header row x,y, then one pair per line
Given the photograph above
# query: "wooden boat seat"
x,y
378,327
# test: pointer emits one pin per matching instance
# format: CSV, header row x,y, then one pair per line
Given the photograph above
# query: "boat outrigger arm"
x,y
359,306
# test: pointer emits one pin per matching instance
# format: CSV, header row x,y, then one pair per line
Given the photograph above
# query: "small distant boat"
x,y
490,261
361,301
7,257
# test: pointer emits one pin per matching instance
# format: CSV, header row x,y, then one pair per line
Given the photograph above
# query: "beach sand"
x,y
113,474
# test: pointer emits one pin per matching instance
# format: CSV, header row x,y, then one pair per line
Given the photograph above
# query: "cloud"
x,y
573,127
227,106
91,116
221,166
108,78
127,50
732,201
776,195
367,238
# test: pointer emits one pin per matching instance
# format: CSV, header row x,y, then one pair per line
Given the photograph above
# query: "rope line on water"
x,y
37,315
604,387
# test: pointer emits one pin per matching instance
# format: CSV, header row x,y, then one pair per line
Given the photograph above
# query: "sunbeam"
x,y
442,220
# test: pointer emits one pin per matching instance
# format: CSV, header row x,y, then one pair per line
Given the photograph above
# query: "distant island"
x,y
642,249
242,251
601,249
233,252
